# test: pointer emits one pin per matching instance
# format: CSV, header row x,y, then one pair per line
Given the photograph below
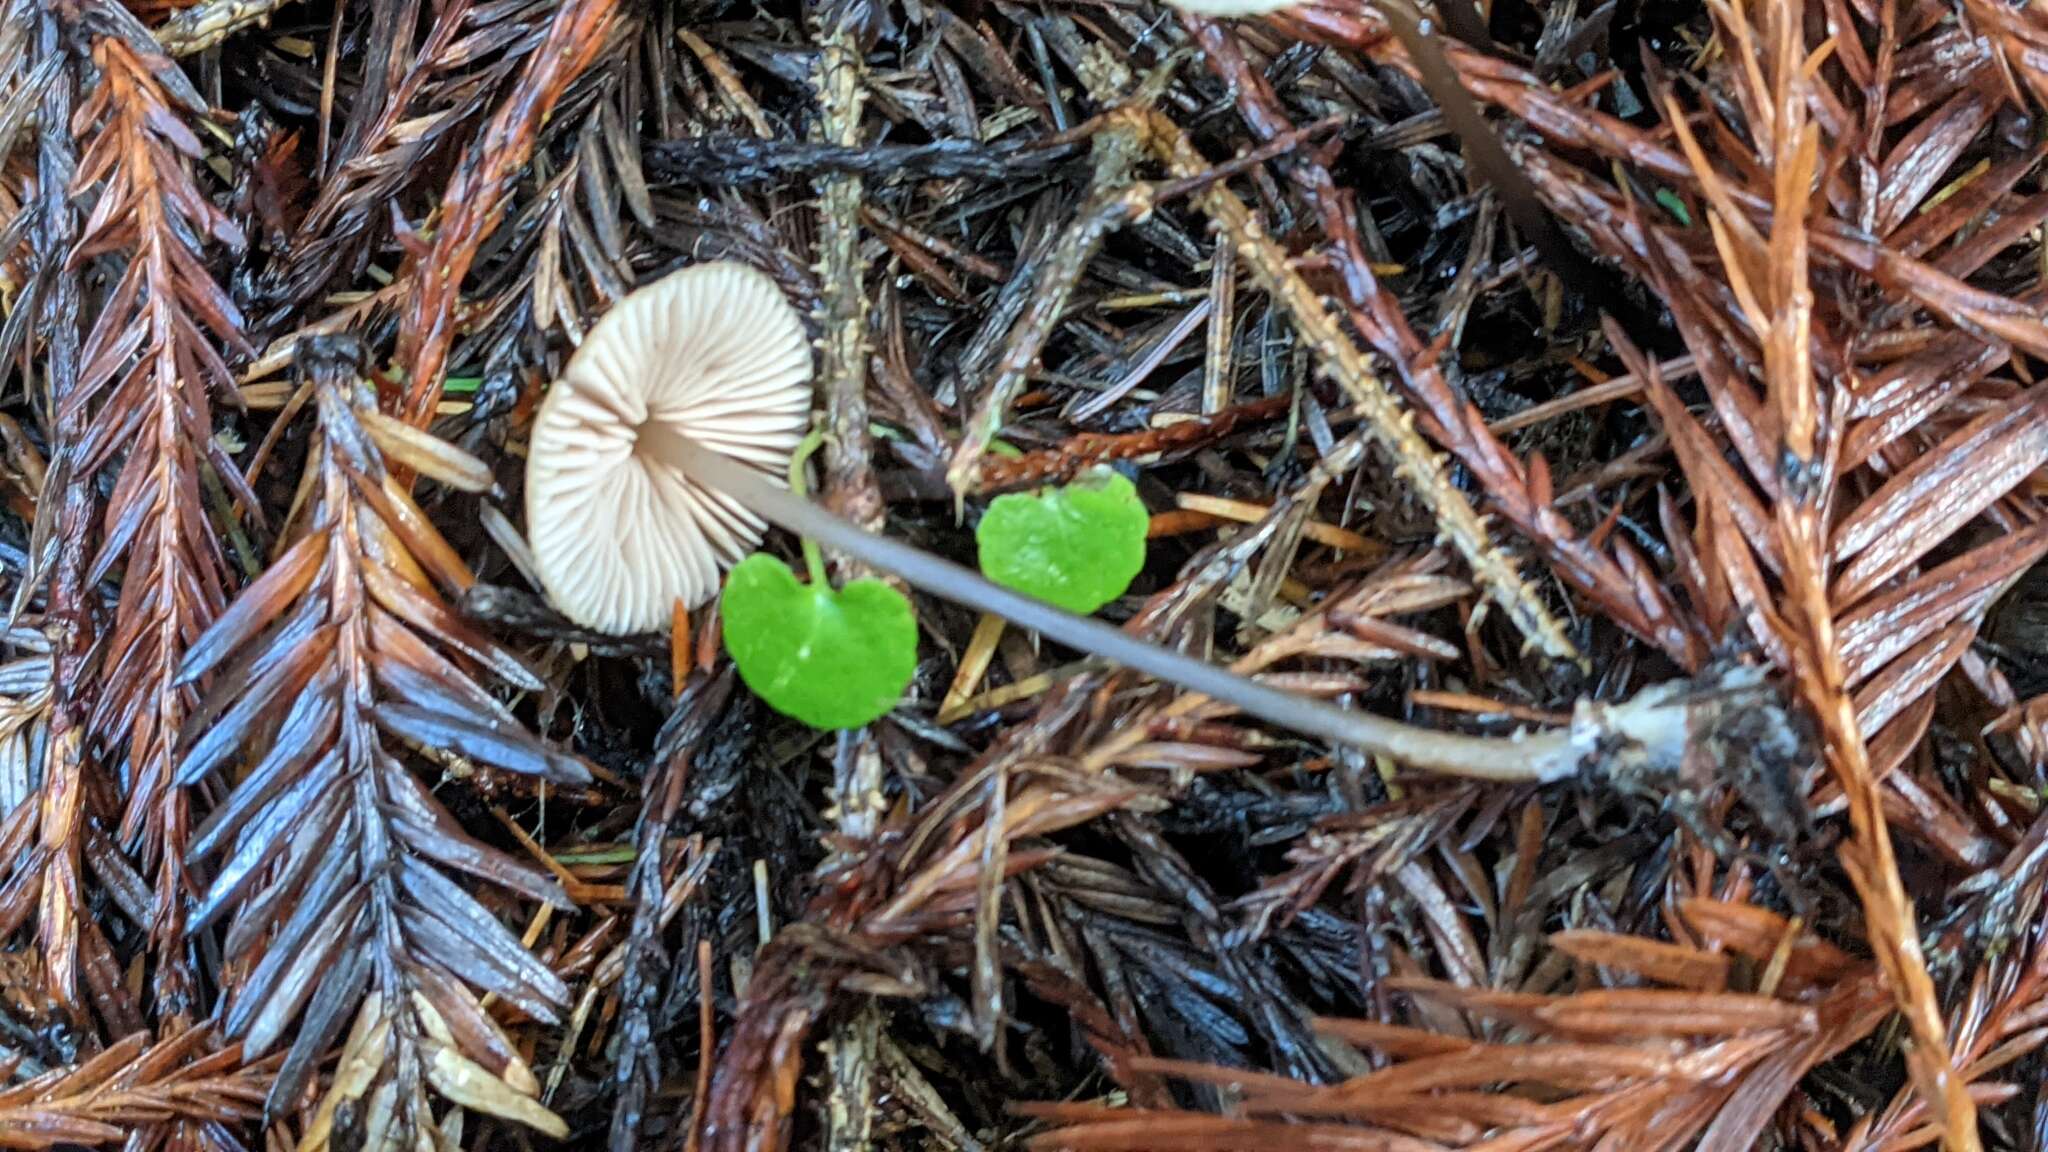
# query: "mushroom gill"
x,y
714,353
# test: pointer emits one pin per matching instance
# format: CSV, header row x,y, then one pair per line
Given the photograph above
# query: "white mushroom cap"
x,y
713,353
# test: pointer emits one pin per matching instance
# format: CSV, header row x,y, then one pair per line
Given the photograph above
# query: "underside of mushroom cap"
x,y
713,353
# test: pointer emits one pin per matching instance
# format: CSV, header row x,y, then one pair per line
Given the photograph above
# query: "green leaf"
x,y
1077,547
1673,205
832,659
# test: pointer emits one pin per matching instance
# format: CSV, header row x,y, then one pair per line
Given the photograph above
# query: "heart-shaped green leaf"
x,y
1077,547
832,659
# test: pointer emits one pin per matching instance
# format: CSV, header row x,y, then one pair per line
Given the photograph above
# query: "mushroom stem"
x,y
1656,721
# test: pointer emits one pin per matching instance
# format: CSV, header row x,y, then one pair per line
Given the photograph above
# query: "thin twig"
x,y
729,160
851,490
1393,426
850,487
1620,583
206,24
1113,202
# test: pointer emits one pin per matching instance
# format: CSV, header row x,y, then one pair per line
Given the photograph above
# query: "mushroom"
x,y
712,354
663,449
